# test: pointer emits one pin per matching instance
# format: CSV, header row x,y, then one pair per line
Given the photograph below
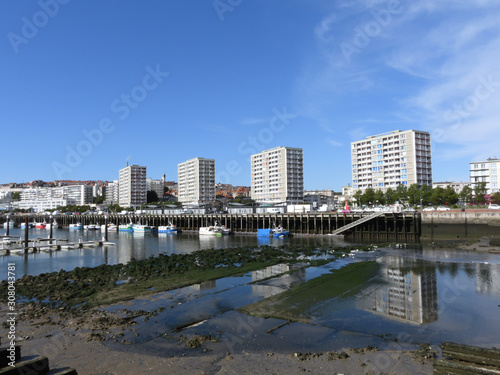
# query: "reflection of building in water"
x,y
487,278
204,285
270,271
410,296
275,283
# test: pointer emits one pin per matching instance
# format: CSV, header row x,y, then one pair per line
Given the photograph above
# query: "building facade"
x,y
196,181
132,186
457,186
486,171
277,176
391,159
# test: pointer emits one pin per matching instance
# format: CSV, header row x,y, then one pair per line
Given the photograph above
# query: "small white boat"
x,y
214,230
11,224
170,228
54,225
126,227
30,225
140,228
91,227
76,226
111,227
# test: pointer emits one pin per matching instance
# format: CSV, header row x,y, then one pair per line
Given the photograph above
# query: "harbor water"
x,y
418,295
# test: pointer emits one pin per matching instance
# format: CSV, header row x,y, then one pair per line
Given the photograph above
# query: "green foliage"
x,y
480,191
368,197
99,199
16,195
390,196
495,198
151,196
466,194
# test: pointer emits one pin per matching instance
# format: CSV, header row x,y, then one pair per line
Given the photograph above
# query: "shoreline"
x,y
71,341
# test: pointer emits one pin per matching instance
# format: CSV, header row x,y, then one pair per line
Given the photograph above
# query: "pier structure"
x,y
382,227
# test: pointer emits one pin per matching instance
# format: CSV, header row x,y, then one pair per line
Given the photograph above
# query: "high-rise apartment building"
x,y
132,186
390,159
485,171
278,175
196,181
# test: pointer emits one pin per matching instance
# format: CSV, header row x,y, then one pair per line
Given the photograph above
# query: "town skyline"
x,y
158,83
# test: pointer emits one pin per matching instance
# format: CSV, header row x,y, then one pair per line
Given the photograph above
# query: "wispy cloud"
x,y
429,61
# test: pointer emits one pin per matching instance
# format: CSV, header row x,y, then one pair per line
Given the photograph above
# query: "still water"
x,y
419,295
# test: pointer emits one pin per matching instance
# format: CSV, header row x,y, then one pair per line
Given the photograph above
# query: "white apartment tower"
x,y
196,182
132,186
486,171
278,176
390,159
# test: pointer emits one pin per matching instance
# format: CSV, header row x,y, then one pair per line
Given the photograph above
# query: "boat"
x,y
111,226
170,228
140,228
54,225
126,227
91,227
278,231
30,225
11,224
76,226
40,225
214,230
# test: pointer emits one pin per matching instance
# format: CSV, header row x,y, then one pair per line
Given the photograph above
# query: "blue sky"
x,y
90,85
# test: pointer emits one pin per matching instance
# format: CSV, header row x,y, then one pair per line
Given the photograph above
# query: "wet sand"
x,y
95,343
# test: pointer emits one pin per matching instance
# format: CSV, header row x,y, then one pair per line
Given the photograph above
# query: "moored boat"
x,y
76,226
170,228
214,230
126,227
54,225
11,224
91,227
140,228
111,227
40,225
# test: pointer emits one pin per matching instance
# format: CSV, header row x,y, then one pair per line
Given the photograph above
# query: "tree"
x,y
368,196
426,191
466,194
414,194
450,196
438,196
480,191
357,197
402,193
151,196
379,197
390,196
99,199
495,198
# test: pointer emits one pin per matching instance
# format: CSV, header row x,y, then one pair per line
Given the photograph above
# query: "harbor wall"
x,y
387,227
470,224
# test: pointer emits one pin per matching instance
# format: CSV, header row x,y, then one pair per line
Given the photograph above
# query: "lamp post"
x,y
106,218
51,226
